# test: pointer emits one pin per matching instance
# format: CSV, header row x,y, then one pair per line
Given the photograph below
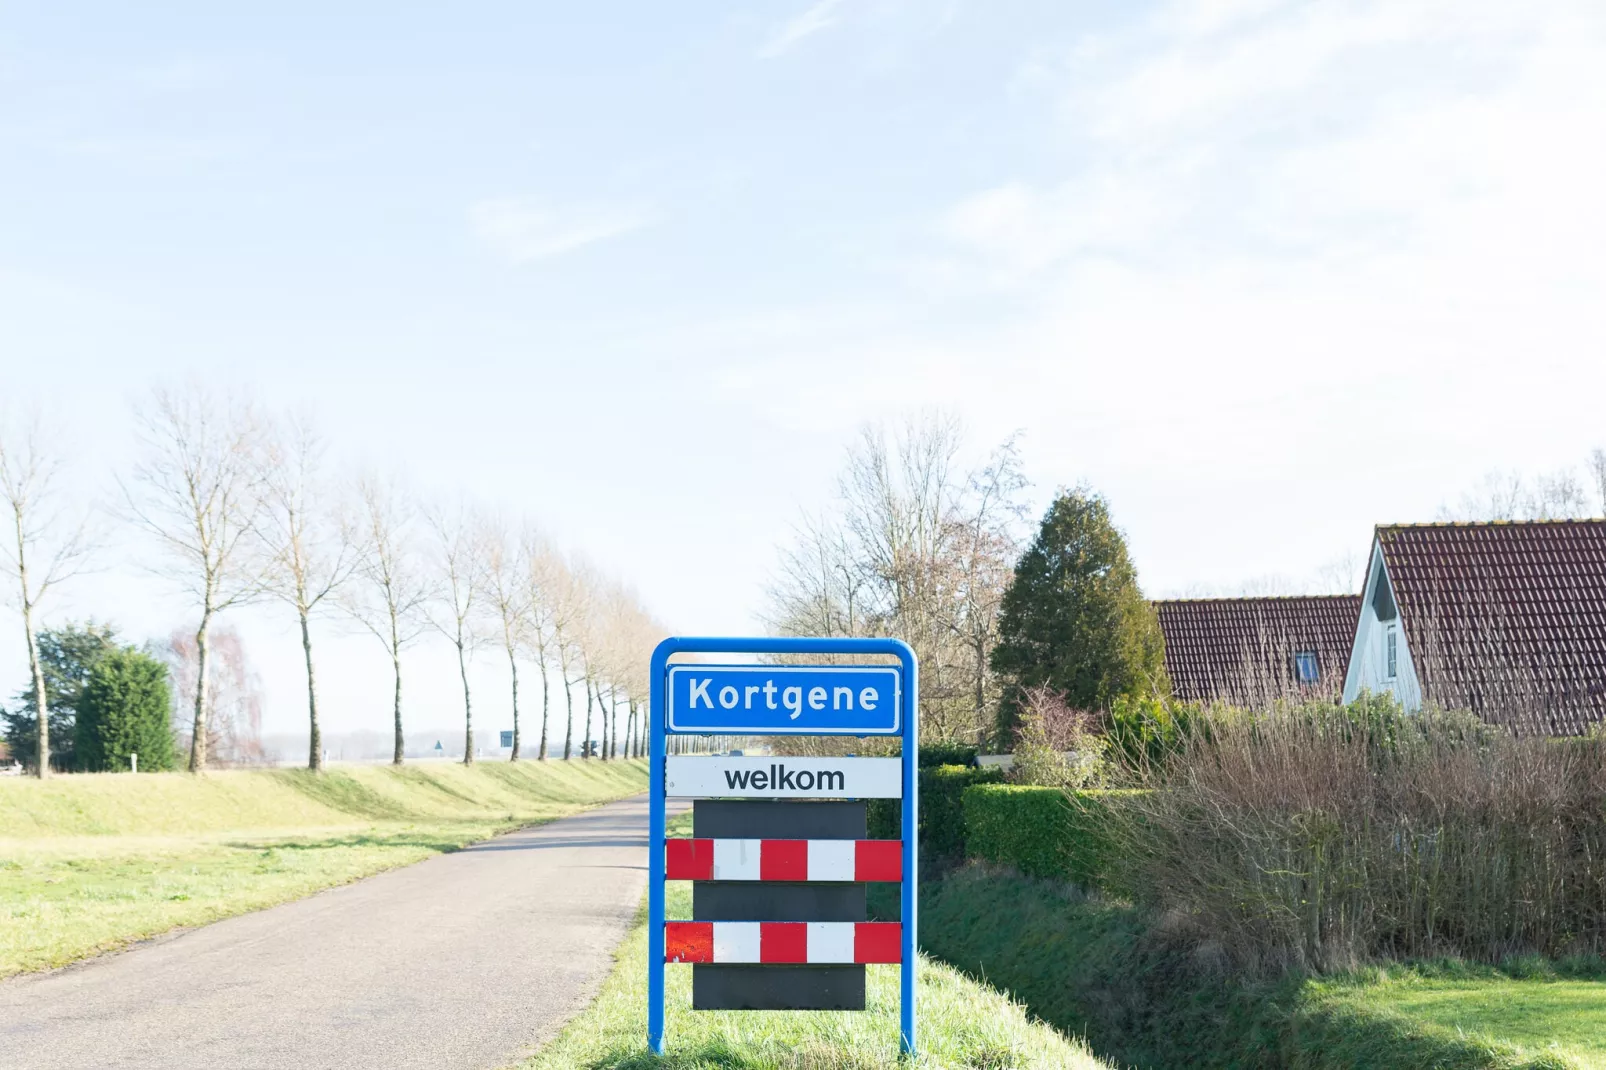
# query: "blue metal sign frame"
x,y
657,708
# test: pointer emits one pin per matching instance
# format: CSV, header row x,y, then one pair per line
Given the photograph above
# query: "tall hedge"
x,y
1044,832
942,817
947,753
124,710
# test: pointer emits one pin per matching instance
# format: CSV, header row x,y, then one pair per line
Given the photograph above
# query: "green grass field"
x,y
90,863
1532,1017
963,1024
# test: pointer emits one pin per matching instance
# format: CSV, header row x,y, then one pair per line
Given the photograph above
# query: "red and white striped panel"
x,y
783,860
783,941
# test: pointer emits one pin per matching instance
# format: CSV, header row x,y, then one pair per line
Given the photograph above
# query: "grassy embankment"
x,y
90,863
1093,968
964,1024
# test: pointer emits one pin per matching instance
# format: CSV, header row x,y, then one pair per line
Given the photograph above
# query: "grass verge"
x,y
91,863
963,1024
1534,1015
1094,969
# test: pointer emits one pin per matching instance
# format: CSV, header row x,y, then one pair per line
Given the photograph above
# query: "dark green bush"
x,y
1147,732
942,821
1044,832
124,710
947,754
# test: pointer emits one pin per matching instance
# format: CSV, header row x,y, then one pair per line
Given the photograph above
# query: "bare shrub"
x,y
1055,745
1318,838
234,695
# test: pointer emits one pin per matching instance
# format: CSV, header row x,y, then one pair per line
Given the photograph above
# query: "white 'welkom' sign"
x,y
783,778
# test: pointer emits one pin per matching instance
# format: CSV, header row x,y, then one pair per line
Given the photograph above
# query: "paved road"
x,y
463,960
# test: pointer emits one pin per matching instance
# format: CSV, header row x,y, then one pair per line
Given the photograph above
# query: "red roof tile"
x,y
1507,619
1241,650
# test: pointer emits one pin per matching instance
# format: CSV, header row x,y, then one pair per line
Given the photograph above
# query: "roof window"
x,y
1305,667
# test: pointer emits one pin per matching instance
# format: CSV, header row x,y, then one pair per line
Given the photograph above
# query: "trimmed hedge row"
x,y
942,817
1043,832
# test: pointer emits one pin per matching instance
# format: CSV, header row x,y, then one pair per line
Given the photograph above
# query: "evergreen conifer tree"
x,y
67,655
125,709
1073,619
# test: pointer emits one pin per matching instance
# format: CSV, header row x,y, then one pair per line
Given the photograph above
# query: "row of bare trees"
x,y
504,584
1567,492
920,547
242,507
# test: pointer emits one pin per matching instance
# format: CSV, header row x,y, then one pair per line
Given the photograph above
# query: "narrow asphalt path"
x,y
463,960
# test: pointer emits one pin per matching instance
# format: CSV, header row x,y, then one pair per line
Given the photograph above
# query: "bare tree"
x,y
198,490
47,544
640,633
308,544
1344,574
609,606
234,717
819,589
459,568
1502,495
1269,585
573,599
916,548
985,545
1558,496
626,635
507,593
589,607
546,577
587,678
1597,475
391,599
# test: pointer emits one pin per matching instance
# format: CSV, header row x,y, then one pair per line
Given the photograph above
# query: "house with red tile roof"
x,y
1506,619
1255,651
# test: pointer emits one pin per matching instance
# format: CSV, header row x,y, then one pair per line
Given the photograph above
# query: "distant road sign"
x,y
783,778
818,700
507,739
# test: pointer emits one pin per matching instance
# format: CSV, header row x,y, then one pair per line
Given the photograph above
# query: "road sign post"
x,y
766,700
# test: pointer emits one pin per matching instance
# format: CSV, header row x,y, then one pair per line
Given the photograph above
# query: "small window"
x,y
1305,669
1393,646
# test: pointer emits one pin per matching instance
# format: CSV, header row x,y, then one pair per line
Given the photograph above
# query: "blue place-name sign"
x,y
858,700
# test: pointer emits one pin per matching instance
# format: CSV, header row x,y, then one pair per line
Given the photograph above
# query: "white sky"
x,y
1264,273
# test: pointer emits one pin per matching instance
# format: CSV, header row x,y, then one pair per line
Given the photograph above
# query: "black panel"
x,y
802,988
777,988
776,901
757,819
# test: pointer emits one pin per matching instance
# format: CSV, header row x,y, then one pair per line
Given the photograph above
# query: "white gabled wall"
x,y
1368,660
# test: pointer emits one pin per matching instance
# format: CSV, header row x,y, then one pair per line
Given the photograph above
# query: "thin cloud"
x,y
819,16
157,151
1197,143
524,230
